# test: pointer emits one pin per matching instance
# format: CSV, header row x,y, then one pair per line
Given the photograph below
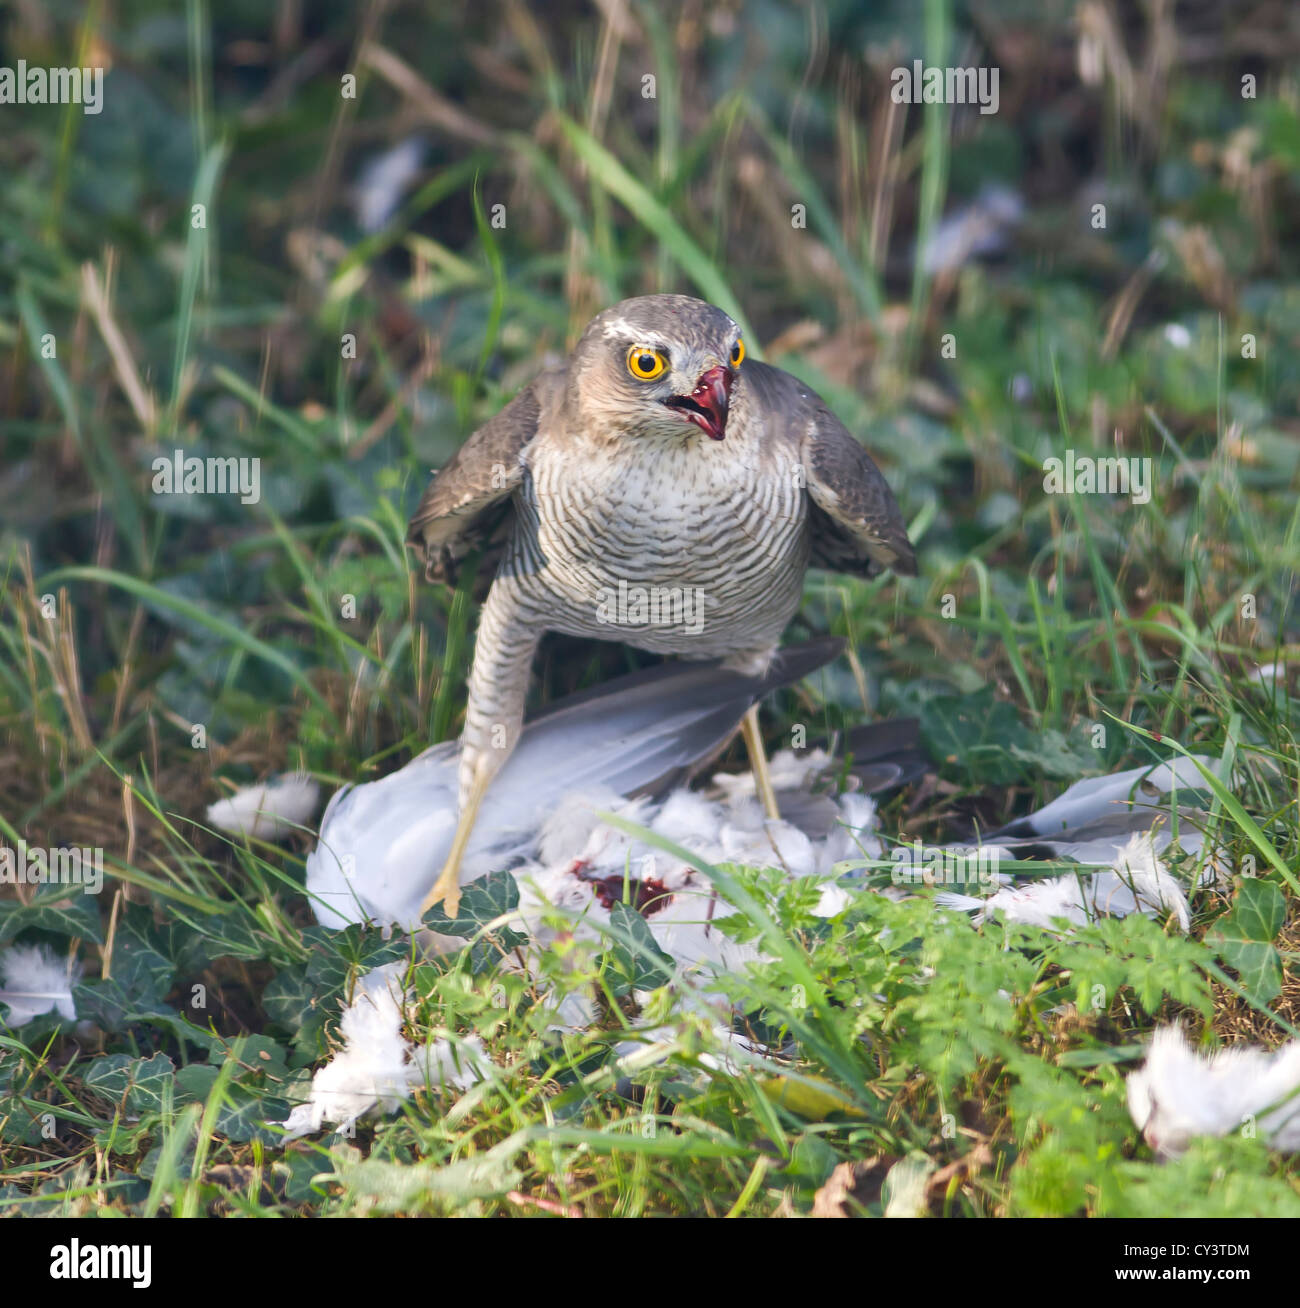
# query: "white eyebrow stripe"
x,y
639,335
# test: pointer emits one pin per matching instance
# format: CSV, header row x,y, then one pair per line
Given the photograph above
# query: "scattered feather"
x,y
1179,1094
678,901
35,981
377,1066
1098,797
789,771
1138,883
270,810
1267,675
543,821
384,180
979,228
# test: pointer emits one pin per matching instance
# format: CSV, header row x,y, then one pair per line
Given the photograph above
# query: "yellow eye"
x,y
645,363
737,353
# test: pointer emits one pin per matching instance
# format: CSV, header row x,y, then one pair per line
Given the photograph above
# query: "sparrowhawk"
x,y
658,489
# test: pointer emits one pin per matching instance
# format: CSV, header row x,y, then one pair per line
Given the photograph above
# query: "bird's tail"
x,y
886,754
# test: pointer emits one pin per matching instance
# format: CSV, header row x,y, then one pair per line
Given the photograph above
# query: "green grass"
x,y
899,1031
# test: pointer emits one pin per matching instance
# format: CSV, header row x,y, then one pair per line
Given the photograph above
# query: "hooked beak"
x,y
706,406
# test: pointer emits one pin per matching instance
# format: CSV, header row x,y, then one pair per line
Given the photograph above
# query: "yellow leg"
x,y
758,761
447,886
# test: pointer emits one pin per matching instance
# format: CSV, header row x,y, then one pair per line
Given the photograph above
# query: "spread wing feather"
x,y
857,526
468,506
861,524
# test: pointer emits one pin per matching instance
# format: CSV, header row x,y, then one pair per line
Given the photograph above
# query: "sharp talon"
x,y
446,891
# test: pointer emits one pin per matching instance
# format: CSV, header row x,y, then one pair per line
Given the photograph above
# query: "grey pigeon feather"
x,y
383,842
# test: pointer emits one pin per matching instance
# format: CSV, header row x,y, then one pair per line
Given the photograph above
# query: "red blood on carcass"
x,y
647,896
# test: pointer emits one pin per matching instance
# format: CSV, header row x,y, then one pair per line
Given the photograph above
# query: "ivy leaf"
x,y
139,965
396,1187
481,902
259,1058
974,735
245,1113
112,1007
1243,938
343,954
1259,910
1055,755
290,998
61,910
184,1165
300,998
647,966
140,1085
233,935
22,1121
185,943
123,1139
1257,965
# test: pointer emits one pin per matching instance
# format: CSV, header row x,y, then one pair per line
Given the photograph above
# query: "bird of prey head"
x,y
652,365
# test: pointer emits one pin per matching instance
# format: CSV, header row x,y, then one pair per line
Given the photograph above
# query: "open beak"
x,y
706,406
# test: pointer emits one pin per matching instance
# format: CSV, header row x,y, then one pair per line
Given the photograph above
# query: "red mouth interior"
x,y
693,411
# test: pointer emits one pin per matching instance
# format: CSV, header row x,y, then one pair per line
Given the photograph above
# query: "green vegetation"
x,y
133,323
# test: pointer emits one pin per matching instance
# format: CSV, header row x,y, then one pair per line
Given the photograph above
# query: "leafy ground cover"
x,y
158,649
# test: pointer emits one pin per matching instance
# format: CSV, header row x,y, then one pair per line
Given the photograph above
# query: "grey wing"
x,y
468,505
858,526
